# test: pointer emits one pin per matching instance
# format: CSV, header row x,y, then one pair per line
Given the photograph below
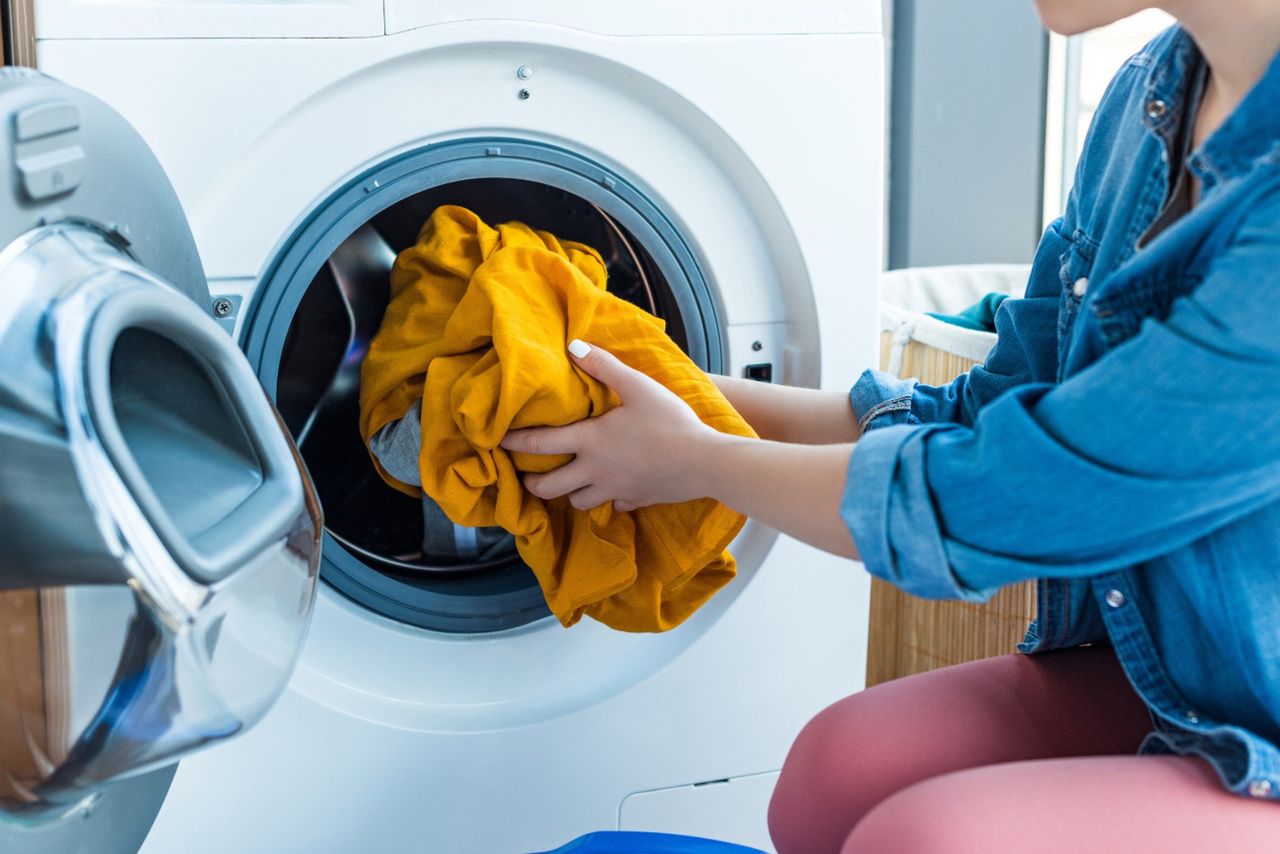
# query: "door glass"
x,y
161,539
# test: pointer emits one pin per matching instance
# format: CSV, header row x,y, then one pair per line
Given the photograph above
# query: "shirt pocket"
x,y
1074,271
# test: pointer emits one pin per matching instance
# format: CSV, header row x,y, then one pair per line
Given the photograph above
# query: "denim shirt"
x,y
1121,443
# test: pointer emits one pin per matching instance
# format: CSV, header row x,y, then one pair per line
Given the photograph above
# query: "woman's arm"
x,y
788,414
653,449
794,488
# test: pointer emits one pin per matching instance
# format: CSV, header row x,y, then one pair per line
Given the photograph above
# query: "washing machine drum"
x,y
319,378
322,302
159,540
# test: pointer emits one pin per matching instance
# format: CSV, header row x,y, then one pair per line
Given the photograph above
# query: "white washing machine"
x,y
728,158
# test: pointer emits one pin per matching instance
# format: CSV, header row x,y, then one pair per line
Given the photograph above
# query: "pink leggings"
x,y
1016,753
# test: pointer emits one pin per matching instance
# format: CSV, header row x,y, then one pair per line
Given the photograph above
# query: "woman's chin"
x,y
1072,17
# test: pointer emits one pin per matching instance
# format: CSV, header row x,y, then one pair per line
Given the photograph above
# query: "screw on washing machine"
x,y
757,346
524,72
524,94
222,307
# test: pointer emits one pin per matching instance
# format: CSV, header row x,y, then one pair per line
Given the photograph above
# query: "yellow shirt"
x,y
477,327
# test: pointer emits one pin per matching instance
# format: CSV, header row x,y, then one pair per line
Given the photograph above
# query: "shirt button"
x,y
1191,716
1156,109
1260,788
1081,285
1114,598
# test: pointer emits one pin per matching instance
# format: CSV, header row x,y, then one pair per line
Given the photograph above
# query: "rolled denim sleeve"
x,y
1165,438
1026,351
880,400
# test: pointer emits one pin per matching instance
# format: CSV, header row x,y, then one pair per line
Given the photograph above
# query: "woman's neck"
x,y
1239,39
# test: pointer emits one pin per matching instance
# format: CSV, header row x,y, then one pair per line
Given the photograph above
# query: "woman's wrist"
x,y
701,463
790,414
719,464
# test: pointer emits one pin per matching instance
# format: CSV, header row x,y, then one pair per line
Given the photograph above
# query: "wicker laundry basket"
x,y
911,635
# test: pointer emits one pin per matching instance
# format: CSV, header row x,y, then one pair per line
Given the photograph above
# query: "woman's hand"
x,y
636,454
653,449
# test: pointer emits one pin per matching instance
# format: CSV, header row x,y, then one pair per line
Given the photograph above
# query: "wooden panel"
x,y
912,635
33,686
22,720
55,669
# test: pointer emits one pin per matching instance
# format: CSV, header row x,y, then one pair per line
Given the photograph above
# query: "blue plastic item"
x,y
629,842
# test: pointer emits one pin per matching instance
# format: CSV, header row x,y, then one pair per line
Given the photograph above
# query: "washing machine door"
x,y
159,538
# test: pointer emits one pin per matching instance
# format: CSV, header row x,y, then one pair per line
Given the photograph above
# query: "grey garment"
x,y
398,447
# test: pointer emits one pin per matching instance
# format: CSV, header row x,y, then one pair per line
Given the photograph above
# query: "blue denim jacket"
x,y
1122,441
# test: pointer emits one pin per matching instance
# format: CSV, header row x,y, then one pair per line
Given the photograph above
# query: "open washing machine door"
x,y
159,536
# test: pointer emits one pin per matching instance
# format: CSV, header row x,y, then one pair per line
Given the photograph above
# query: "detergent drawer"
x,y
155,19
654,18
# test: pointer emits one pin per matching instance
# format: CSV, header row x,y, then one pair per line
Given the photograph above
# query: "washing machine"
x,y
727,159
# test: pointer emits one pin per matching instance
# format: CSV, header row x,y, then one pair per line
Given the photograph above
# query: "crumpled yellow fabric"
x,y
477,327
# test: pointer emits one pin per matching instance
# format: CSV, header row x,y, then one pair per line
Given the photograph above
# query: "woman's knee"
x,y
861,750
832,776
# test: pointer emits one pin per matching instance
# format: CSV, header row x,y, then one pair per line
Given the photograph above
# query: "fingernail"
x,y
579,348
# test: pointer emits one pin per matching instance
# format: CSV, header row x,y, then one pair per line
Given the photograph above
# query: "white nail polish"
x,y
578,348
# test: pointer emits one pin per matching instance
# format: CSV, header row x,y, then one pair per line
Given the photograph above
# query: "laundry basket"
x,y
911,635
